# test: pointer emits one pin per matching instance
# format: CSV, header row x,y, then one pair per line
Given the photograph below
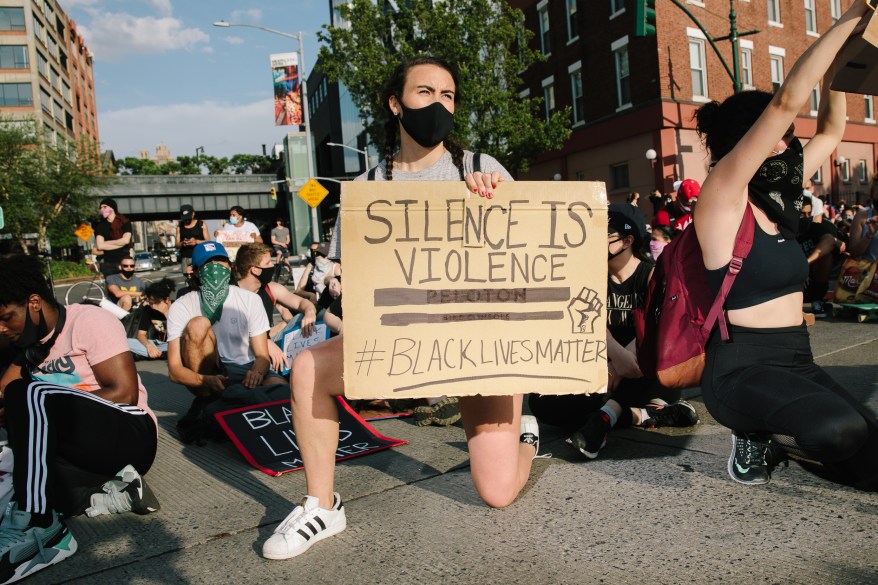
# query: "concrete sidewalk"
x,y
656,506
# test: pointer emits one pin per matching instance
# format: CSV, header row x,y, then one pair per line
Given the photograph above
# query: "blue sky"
x,y
165,75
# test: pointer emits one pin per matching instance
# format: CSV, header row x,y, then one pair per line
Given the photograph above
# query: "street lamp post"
x,y
363,152
315,226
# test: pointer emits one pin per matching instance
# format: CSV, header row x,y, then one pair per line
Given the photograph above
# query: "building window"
x,y
56,79
845,170
815,100
773,11
578,99
549,96
66,92
42,66
59,112
13,57
623,75
869,108
572,21
776,56
863,172
747,67
11,18
53,46
835,10
698,67
38,31
16,94
810,17
545,35
616,6
619,176
45,101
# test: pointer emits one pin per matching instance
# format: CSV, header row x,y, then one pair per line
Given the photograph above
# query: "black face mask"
x,y
776,188
428,126
32,333
264,276
127,273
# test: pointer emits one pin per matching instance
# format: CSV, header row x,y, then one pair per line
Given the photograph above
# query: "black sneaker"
x,y
747,462
678,414
592,437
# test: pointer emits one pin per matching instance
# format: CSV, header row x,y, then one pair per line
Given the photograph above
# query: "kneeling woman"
x,y
76,415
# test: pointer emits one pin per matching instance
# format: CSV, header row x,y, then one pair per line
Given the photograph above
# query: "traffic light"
x,y
644,18
274,193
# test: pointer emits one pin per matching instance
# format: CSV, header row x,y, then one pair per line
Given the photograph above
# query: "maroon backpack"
x,y
680,312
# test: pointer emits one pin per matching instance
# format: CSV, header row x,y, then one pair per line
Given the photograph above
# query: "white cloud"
x,y
233,40
113,35
223,129
251,14
163,6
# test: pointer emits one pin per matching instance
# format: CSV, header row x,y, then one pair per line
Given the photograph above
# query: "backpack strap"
x,y
743,245
477,162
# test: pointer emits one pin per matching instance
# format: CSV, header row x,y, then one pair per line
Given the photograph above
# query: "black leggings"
x,y
765,381
68,442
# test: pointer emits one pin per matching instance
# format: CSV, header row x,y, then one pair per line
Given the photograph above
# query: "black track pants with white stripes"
x,y
67,442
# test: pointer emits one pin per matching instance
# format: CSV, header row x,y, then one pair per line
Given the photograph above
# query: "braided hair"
x,y
394,88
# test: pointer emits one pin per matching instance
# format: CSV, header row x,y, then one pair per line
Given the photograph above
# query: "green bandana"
x,y
214,290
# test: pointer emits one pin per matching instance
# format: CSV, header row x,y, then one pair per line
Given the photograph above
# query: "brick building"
x,y
46,71
631,95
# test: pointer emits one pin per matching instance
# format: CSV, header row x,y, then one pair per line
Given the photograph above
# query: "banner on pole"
x,y
287,89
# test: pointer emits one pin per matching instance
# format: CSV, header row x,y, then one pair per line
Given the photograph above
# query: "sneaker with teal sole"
x,y
747,464
25,549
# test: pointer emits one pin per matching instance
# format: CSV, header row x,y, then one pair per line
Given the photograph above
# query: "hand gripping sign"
x,y
450,293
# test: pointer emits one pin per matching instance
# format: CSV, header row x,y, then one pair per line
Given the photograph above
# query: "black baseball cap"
x,y
187,211
626,220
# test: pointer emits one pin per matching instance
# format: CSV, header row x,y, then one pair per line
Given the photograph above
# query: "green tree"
x,y
242,164
44,187
485,39
137,166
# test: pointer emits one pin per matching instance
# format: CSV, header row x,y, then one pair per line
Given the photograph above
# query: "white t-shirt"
x,y
237,236
243,317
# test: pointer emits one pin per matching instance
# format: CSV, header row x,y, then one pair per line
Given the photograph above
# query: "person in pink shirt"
x,y
77,420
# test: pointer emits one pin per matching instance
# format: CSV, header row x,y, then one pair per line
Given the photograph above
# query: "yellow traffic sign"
x,y
84,232
313,192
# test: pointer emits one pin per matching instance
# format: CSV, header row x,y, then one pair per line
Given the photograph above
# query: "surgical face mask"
x,y
264,276
214,278
233,219
656,247
428,126
105,212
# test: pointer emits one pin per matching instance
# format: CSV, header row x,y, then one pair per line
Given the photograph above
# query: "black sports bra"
x,y
775,267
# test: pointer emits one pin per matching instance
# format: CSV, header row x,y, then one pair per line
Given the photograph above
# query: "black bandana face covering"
x,y
776,188
428,126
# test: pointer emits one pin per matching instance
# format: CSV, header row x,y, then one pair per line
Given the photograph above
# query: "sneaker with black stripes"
x,y
307,523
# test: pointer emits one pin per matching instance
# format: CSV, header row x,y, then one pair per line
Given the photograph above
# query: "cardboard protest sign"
x,y
860,56
265,437
294,342
450,293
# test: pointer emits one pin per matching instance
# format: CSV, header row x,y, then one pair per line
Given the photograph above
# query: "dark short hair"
x,y
722,125
22,277
239,210
160,290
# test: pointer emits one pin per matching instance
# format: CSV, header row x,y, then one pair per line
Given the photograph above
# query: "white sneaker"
x,y
306,524
530,432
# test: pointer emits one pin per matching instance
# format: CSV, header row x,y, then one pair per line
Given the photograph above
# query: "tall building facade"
x,y
632,97
46,71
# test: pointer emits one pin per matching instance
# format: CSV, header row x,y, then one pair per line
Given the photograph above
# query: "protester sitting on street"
x,y
152,333
217,334
305,286
77,419
633,399
763,383
113,237
124,287
820,242
191,231
237,232
280,241
863,244
253,270
502,443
